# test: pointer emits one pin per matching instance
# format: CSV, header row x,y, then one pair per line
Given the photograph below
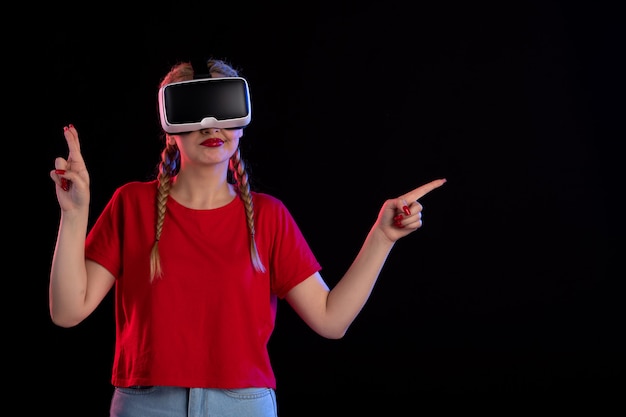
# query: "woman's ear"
x,y
169,139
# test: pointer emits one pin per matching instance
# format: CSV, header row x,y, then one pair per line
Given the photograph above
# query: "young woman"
x,y
198,261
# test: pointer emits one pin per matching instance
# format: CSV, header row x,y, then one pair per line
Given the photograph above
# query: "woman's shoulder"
x,y
137,188
268,200
268,203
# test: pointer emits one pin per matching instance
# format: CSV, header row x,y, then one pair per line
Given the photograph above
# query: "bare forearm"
x,y
68,276
350,294
331,312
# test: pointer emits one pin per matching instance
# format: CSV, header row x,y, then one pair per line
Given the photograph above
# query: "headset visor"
x,y
208,102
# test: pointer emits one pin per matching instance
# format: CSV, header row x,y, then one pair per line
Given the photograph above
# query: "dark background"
x,y
511,293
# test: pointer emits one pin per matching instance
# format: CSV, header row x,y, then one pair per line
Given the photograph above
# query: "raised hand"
x,y
403,215
70,175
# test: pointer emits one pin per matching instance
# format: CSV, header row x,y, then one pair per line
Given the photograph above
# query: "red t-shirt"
x,y
207,321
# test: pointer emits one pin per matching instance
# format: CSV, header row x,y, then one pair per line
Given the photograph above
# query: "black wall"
x,y
513,288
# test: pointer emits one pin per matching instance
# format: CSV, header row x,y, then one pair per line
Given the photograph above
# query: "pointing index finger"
x,y
422,190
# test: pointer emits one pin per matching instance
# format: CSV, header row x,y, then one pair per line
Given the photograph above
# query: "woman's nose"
x,y
208,130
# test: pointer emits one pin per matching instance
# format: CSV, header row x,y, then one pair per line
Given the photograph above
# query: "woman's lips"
x,y
213,142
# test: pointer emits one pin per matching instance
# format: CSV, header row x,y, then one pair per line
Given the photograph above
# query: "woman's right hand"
x,y
70,175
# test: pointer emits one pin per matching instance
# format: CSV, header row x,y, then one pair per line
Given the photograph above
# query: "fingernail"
x,y
65,184
65,128
407,211
59,171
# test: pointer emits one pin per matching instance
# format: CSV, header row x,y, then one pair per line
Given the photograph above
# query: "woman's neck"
x,y
202,193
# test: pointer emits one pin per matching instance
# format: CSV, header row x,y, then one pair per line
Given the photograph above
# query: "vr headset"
x,y
206,102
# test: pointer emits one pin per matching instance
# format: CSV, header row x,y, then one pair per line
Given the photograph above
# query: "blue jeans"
x,y
193,402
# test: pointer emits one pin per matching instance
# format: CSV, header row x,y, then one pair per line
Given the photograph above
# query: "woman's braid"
x,y
238,167
170,162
